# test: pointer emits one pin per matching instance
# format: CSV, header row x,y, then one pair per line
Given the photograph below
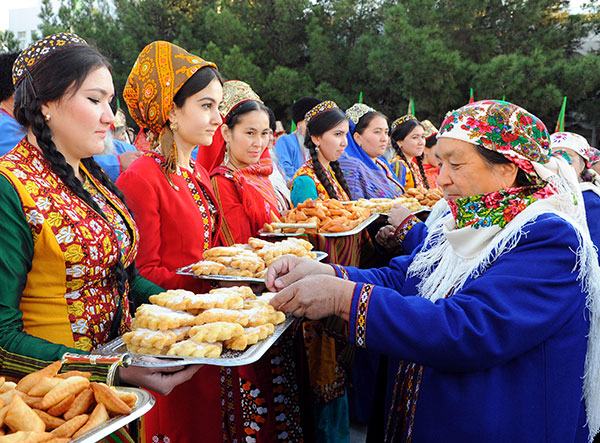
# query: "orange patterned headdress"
x,y
159,72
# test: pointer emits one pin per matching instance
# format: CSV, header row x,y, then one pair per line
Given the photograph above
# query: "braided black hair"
x,y
399,133
57,75
317,126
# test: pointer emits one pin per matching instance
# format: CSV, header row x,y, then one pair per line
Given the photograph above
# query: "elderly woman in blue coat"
x,y
486,323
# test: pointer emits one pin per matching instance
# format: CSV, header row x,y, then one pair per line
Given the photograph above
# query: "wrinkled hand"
x,y
289,268
160,380
315,297
398,214
385,237
127,158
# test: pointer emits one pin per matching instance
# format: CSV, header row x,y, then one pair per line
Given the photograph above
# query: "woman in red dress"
x,y
175,95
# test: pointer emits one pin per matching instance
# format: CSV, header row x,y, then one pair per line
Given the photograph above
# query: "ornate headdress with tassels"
x,y
34,55
357,111
236,92
322,107
159,72
401,120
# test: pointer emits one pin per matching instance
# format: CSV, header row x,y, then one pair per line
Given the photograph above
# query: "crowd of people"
x,y
478,324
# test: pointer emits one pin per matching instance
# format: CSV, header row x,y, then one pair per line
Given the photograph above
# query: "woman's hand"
x,y
290,268
161,380
398,214
315,297
385,237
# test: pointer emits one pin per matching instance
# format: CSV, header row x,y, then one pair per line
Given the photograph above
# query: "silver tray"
x,y
144,403
187,270
227,358
356,230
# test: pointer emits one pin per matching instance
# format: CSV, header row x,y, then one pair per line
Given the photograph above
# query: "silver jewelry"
x,y
47,117
226,156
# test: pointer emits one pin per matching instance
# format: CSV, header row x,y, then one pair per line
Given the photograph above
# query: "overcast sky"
x,y
5,5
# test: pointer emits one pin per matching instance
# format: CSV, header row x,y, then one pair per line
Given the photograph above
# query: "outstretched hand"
x,y
316,297
289,269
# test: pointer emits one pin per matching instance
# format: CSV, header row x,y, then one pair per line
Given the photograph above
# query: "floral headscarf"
x,y
574,142
159,72
502,127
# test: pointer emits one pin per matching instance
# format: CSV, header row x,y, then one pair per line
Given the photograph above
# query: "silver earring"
x,y
226,156
317,149
174,126
47,117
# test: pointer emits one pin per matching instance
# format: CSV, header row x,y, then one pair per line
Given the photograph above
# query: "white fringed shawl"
x,y
451,256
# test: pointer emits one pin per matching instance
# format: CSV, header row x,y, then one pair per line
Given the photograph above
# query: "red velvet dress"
x,y
176,227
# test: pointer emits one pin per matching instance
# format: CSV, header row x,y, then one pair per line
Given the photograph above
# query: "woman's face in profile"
x,y
464,172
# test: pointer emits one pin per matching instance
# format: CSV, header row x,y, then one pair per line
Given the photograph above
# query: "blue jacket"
x,y
503,357
289,155
592,213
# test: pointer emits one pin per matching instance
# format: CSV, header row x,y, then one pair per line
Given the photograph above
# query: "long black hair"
x,y
59,74
317,126
234,115
399,133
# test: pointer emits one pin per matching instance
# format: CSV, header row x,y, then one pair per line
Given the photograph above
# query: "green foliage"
x,y
8,41
431,50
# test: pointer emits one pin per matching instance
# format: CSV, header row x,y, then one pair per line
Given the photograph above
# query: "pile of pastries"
x,y
384,205
249,260
181,323
48,406
325,216
427,197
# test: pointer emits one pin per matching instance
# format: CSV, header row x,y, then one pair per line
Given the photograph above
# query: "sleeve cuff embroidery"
x,y
361,314
405,228
340,271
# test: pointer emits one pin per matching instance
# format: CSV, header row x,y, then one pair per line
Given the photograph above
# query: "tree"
x,y
8,41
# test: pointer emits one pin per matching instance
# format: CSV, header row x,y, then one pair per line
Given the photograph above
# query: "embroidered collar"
x,y
496,208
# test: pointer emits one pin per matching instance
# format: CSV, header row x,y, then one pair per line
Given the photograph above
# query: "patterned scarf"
x,y
496,208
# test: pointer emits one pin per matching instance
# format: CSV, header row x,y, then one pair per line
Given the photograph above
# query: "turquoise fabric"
x,y
332,423
303,187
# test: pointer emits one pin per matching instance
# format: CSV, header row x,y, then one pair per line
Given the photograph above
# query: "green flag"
x,y
411,107
560,123
360,97
471,96
293,128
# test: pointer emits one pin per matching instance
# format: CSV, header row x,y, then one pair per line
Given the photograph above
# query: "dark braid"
x,y
317,126
339,175
422,170
58,74
320,171
60,166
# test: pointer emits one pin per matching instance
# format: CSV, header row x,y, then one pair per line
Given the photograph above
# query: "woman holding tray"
x,y
492,325
408,140
240,164
366,171
175,95
69,242
322,176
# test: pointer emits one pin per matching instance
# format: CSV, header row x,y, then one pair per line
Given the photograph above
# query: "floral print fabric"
x,y
496,208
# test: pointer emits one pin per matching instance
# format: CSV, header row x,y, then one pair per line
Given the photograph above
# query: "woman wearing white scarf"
x,y
576,150
486,323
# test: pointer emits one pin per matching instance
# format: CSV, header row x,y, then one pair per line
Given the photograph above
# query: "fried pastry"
x,y
64,389
50,421
20,417
68,428
223,251
188,348
81,404
98,416
149,338
207,267
213,332
188,301
258,315
225,315
109,399
160,318
243,291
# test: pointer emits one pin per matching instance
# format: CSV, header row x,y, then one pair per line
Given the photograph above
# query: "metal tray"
x,y
144,403
227,358
356,230
187,270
